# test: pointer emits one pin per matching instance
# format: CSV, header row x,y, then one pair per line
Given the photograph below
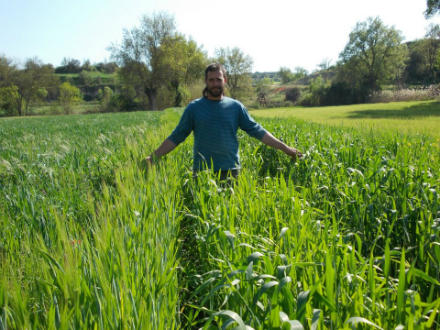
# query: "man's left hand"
x,y
294,153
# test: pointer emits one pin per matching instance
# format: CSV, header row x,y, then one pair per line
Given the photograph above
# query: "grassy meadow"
x,y
348,237
415,117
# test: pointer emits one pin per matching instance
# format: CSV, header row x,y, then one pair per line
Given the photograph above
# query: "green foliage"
x,y
69,65
183,63
432,8
35,82
422,66
346,237
286,75
292,94
374,55
238,67
316,92
9,99
68,95
105,100
153,56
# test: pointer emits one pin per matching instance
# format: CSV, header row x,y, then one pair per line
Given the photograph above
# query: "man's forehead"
x,y
215,74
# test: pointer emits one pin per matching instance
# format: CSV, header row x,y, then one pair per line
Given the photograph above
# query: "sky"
x,y
275,33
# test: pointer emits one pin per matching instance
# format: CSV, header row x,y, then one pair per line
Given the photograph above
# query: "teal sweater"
x,y
215,125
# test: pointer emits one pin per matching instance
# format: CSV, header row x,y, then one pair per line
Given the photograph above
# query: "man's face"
x,y
215,84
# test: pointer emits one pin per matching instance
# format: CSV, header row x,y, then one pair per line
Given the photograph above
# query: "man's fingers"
x,y
146,163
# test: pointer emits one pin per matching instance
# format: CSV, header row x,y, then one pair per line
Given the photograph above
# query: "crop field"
x,y
415,117
348,237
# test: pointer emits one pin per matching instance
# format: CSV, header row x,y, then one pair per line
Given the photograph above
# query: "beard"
x,y
215,92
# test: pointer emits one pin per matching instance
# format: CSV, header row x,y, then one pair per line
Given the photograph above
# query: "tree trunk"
x,y
152,94
20,106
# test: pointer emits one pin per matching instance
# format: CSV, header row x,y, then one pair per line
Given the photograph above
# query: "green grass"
x,y
93,74
348,237
418,117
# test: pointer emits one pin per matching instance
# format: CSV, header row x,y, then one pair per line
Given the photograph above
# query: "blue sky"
x,y
274,33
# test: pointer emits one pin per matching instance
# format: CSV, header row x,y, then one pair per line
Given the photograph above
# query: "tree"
x,y
69,65
7,70
69,95
300,73
432,38
433,7
286,75
262,86
140,55
325,64
374,55
238,69
183,63
34,83
9,99
106,67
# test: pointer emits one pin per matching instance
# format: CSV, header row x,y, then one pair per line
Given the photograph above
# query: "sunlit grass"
x,y
418,117
347,237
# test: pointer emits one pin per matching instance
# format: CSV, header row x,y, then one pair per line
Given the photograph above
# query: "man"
x,y
215,118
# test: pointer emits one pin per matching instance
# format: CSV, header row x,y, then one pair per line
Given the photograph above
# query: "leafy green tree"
x,y
36,81
68,96
7,70
432,41
262,86
317,92
238,67
87,66
31,81
140,55
286,75
183,63
299,73
69,65
9,99
106,67
105,96
373,55
433,7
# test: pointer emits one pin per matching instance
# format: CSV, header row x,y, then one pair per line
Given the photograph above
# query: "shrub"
x,y
69,95
293,94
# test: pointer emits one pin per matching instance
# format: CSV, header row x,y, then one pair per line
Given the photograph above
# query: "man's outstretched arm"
x,y
272,141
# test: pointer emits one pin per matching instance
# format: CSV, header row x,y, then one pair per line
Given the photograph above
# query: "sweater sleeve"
x,y
184,128
249,125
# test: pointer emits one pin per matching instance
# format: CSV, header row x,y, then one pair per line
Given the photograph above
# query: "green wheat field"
x,y
348,237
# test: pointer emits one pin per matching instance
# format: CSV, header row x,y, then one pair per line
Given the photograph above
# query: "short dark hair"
x,y
215,67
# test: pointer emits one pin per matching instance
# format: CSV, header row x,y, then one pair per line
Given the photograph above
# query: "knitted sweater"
x,y
215,125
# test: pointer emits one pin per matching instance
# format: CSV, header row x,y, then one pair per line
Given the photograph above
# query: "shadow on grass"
x,y
415,111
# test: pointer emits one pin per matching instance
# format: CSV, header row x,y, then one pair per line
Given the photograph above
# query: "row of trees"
x,y
71,65
156,67
374,56
155,63
155,59
20,87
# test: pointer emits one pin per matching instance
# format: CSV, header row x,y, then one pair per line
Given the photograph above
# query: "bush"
x,y
68,95
341,93
292,94
122,102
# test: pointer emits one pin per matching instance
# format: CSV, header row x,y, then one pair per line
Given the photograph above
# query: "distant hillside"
x,y
261,75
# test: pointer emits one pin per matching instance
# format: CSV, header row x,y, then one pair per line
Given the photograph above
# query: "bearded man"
x,y
215,119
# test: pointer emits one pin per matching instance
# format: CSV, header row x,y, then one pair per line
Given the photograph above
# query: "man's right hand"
x,y
146,163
